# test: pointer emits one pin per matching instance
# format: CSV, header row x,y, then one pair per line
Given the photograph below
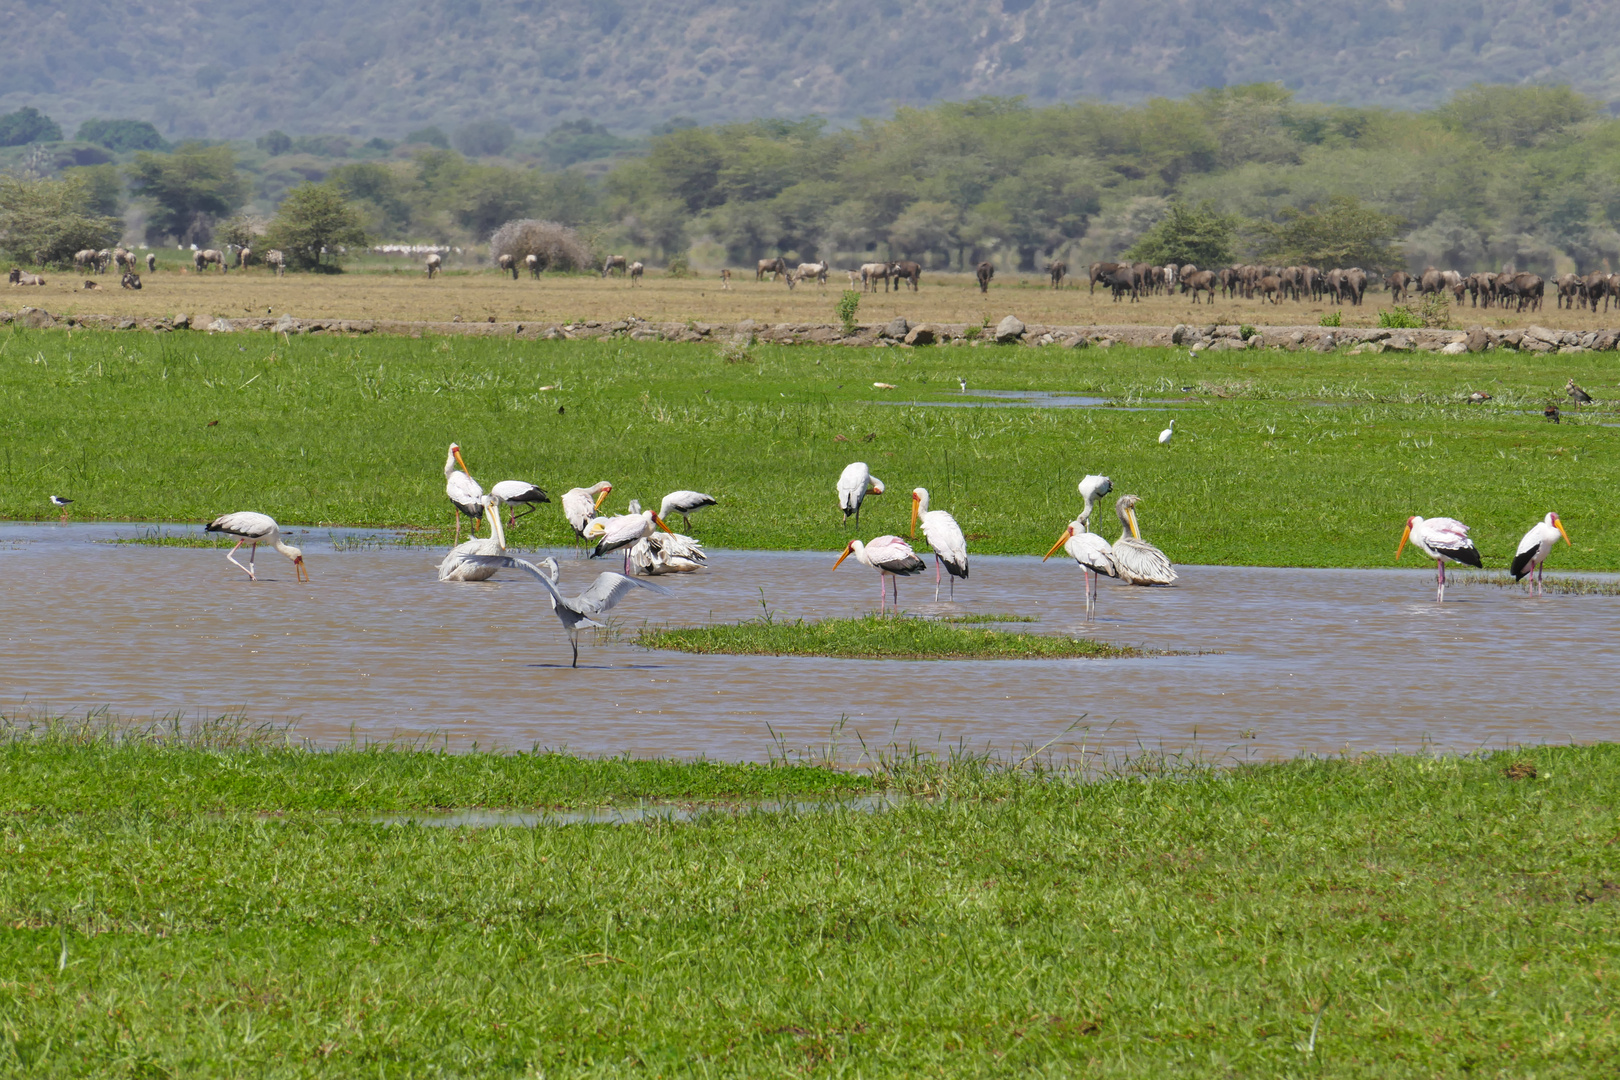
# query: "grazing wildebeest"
x,y
1200,280
85,259
533,263
776,267
434,264
1057,270
243,257
130,280
985,272
17,277
276,261
1398,283
508,265
636,270
208,257
817,270
615,262
1569,290
871,273
1125,280
909,272
151,262
1100,271
103,260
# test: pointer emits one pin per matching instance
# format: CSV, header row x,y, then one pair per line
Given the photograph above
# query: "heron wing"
x,y
607,590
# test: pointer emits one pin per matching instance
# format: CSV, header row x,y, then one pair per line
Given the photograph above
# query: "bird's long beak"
x,y
1405,533
600,496
1064,539
1560,525
660,522
915,503
847,549
1130,515
300,570
462,463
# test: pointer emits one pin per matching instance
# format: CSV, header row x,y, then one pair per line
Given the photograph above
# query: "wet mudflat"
x,y
1295,660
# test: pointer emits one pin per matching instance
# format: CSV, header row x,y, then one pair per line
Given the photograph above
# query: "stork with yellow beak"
x,y
1094,554
464,492
1534,549
581,504
944,535
1441,539
888,555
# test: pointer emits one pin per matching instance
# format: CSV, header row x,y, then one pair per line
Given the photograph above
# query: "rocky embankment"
x,y
1010,331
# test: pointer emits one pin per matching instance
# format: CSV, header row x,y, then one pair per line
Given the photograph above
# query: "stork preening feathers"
x,y
855,483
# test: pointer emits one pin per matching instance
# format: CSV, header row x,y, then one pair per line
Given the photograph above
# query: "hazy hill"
x,y
233,68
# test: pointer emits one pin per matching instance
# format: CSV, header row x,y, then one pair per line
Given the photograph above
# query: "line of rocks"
x,y
896,332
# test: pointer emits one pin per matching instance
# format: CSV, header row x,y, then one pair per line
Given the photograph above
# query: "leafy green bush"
x,y
314,226
848,304
1332,318
679,267
44,222
1246,331
1400,318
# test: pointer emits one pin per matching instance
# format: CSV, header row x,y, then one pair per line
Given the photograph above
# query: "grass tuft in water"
x,y
875,638
1558,585
985,617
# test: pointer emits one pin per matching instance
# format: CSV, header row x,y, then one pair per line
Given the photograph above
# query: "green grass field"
x,y
207,908
875,638
1279,458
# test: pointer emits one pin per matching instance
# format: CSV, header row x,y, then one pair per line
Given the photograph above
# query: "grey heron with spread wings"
x,y
574,612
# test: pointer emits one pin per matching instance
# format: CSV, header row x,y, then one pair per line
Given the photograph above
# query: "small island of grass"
x,y
876,638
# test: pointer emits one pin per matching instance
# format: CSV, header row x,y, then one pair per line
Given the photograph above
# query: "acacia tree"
x,y
313,226
1199,235
1340,232
188,190
45,221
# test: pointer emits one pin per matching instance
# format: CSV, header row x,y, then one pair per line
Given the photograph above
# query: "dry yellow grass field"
x,y
480,296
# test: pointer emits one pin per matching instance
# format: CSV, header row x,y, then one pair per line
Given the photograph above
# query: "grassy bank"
x,y
1402,916
1279,458
875,638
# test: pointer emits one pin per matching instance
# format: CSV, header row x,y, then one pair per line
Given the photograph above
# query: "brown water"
x,y
1309,660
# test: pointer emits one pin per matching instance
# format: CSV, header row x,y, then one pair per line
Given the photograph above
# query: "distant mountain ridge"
x,y
236,68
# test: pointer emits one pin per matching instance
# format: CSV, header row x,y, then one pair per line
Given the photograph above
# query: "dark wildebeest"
x,y
533,263
1398,282
615,262
435,264
1125,280
1057,270
208,257
130,280
151,263
1100,271
1569,290
1199,280
775,267
905,271
985,272
636,270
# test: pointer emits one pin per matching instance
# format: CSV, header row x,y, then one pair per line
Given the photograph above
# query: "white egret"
x,y
1138,562
1165,435
1440,539
575,612
887,555
1535,547
1094,554
255,529
944,535
684,503
855,483
464,492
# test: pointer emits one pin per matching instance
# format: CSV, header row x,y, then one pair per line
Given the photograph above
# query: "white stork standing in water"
x,y
518,493
621,532
684,503
1094,554
855,483
256,529
663,553
575,612
463,491
461,563
1534,549
1138,562
1440,539
887,555
944,535
581,504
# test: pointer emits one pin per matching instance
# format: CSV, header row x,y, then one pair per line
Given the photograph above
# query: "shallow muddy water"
x,y
1306,660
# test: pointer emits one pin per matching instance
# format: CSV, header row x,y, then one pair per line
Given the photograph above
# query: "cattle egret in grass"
x,y
1534,549
1167,433
463,491
1138,562
255,529
1094,555
1441,539
855,483
944,535
888,555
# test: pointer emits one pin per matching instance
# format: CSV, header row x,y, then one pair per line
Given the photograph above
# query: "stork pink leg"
x,y
936,580
231,555
1440,595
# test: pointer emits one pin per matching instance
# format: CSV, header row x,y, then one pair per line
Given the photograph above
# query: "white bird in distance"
x,y
255,529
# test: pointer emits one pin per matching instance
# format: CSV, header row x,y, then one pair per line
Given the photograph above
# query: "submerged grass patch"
x,y
876,638
1369,917
1558,584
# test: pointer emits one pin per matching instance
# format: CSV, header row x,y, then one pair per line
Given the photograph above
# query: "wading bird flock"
x,y
649,547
